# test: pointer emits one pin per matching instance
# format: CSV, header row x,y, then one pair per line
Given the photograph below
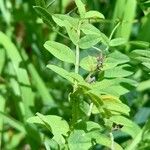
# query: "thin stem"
x,y
55,30
75,101
135,141
111,35
51,3
77,59
74,9
90,110
113,31
112,141
77,55
96,48
77,51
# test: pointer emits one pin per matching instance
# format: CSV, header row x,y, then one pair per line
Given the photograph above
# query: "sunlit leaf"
x,y
89,63
61,19
70,76
52,122
90,29
114,59
81,140
144,85
81,7
60,51
93,14
118,107
45,15
117,42
138,52
89,40
142,44
118,71
128,126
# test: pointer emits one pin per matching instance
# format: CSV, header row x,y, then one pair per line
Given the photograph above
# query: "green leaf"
x,y
90,125
65,74
147,3
112,82
92,30
60,51
71,25
93,14
95,97
146,64
57,125
139,52
128,126
117,42
118,71
144,85
116,90
103,140
118,57
72,32
109,102
76,77
61,20
139,137
112,86
89,29
115,59
117,107
81,7
89,40
45,15
142,44
89,63
142,59
81,140
58,20
142,56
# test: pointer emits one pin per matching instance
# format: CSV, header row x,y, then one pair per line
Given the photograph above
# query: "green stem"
x,y
77,59
64,36
77,62
75,98
135,141
111,35
112,141
113,31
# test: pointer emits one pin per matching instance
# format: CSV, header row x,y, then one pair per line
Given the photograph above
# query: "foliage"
x,y
94,91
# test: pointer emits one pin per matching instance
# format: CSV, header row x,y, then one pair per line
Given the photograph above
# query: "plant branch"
x,y
75,102
113,31
64,36
111,35
77,50
112,141
77,61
